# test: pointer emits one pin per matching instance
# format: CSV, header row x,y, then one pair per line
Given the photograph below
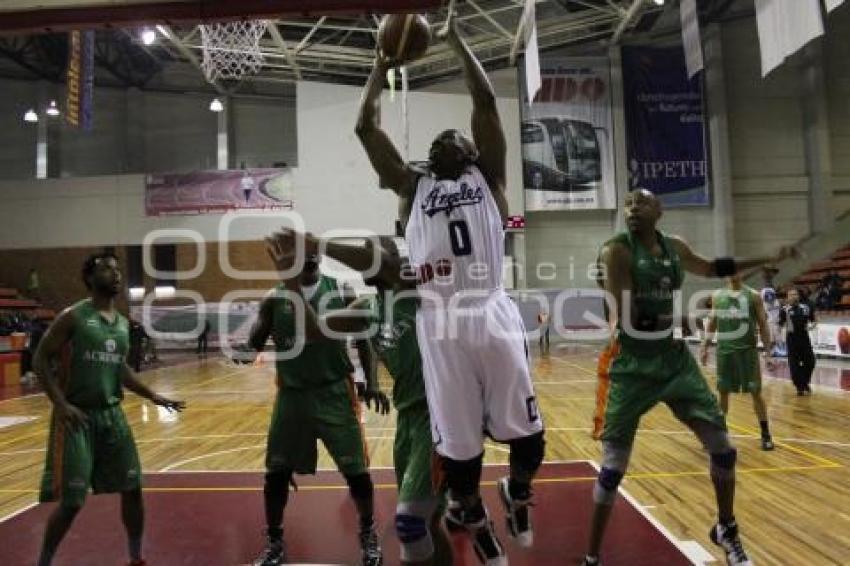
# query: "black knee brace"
x,y
463,476
610,479
527,454
360,486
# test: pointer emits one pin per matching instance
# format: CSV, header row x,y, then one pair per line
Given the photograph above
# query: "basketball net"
x,y
232,49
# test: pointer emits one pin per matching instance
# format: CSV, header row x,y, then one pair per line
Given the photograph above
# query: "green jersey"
x,y
654,281
321,362
95,358
398,348
735,312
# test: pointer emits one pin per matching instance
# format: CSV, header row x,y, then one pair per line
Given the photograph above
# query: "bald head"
x,y
451,152
642,210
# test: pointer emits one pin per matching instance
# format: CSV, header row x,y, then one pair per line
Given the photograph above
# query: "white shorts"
x,y
477,375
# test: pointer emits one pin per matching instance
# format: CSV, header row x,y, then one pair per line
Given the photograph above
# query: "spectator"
x,y
203,340
137,334
33,285
836,289
823,298
543,324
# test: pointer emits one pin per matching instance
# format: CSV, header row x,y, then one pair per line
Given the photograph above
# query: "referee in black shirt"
x,y
801,356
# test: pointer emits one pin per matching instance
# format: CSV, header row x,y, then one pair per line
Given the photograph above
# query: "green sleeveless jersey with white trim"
x,y
735,312
654,282
321,362
96,354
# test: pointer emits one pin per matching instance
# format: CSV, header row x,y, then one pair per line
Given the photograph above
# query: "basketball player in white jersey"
x,y
773,308
470,333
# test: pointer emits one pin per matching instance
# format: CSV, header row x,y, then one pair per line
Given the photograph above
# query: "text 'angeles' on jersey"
x,y
455,235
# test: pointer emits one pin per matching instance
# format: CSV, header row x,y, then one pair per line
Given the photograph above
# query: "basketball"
x,y
404,37
844,340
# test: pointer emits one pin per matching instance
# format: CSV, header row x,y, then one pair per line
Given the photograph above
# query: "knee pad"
x,y
605,490
723,464
463,476
609,479
411,525
360,486
527,453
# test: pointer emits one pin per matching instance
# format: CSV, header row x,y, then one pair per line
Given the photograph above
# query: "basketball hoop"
x,y
232,49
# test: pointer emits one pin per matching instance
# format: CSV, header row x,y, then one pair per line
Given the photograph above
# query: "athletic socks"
x,y
765,429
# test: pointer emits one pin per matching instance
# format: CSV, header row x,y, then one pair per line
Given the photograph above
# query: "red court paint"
x,y
217,519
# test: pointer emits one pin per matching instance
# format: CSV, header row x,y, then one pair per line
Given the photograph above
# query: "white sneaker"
x,y
727,538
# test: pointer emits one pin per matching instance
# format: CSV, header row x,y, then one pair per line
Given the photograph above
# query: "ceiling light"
x,y
216,105
31,116
658,2
52,110
148,36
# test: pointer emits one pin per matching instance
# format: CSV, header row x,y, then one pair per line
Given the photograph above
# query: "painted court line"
x,y
687,550
800,451
14,514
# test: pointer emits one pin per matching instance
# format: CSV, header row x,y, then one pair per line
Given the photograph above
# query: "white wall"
x,y
769,182
335,187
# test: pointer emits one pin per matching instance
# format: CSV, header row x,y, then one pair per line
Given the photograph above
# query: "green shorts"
x,y
638,383
739,371
412,454
301,417
101,455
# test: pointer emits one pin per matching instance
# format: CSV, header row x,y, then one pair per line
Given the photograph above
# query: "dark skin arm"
x,y
46,356
262,328
131,382
487,129
763,326
698,264
393,172
617,260
709,332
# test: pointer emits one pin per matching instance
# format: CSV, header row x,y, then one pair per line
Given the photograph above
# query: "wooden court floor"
x,y
793,504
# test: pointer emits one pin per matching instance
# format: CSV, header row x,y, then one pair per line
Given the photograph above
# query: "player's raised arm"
x,y
487,129
698,264
392,171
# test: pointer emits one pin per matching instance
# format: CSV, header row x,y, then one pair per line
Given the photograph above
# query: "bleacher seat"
x,y
839,262
8,293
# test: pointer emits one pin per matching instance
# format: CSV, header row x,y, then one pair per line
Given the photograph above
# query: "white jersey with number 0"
x,y
456,235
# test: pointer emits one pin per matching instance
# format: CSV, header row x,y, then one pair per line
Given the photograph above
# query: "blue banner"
x,y
664,124
80,79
